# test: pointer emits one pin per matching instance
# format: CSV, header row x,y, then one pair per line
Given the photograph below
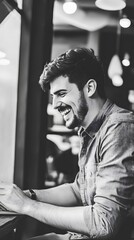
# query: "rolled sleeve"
x,y
114,194
76,189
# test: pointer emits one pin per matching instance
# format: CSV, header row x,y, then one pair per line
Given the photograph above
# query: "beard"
x,y
77,119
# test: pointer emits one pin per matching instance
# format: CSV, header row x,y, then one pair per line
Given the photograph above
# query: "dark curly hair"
x,y
79,65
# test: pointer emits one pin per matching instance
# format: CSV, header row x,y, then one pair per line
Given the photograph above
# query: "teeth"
x,y
65,112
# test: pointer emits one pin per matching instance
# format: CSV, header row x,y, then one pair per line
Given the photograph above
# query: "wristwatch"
x,y
32,194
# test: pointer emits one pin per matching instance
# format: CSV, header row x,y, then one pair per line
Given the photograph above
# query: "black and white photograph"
x,y
66,119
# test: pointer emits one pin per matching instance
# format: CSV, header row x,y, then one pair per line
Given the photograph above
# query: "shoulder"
x,y
119,121
119,115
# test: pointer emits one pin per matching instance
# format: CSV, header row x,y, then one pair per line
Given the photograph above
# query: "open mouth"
x,y
64,111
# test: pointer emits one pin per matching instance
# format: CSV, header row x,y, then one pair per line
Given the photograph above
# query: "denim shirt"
x,y
105,182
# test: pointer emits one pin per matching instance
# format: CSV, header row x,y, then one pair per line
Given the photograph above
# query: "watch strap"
x,y
32,194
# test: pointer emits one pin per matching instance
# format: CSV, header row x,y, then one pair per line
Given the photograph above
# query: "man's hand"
x,y
12,197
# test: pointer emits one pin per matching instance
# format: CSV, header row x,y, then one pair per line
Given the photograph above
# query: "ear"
x,y
91,87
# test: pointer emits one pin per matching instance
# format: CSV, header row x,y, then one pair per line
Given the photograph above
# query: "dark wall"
x,y
108,38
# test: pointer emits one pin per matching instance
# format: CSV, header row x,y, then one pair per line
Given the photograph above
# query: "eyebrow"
x,y
58,91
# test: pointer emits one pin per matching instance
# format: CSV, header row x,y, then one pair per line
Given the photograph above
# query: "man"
x,y
98,203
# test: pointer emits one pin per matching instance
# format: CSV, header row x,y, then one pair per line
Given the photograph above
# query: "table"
x,y
8,225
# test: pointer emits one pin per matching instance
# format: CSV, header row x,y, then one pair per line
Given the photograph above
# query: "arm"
x,y
114,182
63,195
67,218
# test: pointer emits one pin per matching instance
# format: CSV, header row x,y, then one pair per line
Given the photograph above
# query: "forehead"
x,y
60,83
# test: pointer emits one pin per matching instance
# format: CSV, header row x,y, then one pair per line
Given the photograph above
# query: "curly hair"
x,y
79,65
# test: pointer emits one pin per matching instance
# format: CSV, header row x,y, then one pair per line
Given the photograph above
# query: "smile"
x,y
65,111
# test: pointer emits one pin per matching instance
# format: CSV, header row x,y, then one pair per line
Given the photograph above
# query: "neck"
x,y
94,106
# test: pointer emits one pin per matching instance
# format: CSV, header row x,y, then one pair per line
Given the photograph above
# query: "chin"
x,y
71,125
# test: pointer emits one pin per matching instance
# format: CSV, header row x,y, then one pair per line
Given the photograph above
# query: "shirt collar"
x,y
95,125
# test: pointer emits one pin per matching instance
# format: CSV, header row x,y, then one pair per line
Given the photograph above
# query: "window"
x,y
9,62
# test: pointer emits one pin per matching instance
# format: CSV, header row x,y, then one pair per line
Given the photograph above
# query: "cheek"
x,y
73,101
75,108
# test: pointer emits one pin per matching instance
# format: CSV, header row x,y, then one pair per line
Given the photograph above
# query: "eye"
x,y
62,94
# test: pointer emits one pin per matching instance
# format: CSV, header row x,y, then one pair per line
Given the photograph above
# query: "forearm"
x,y
66,218
93,220
62,195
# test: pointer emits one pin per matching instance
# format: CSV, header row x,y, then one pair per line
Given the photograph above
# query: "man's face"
x,y
69,101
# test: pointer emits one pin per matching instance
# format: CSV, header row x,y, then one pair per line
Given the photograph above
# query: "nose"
x,y
56,102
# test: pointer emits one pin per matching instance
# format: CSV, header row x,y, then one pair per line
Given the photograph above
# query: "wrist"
x,y
32,194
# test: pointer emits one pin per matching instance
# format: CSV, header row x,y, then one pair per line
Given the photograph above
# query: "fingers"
x,y
4,191
7,185
11,197
2,207
5,188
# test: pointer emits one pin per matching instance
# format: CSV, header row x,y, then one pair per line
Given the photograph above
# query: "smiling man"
x,y
69,101
98,204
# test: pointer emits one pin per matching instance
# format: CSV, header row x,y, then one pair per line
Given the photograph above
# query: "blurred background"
x,y
36,149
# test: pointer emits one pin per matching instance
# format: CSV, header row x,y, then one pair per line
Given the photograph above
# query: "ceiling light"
x,y
2,54
111,5
126,60
125,22
115,67
4,62
69,6
117,80
131,96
